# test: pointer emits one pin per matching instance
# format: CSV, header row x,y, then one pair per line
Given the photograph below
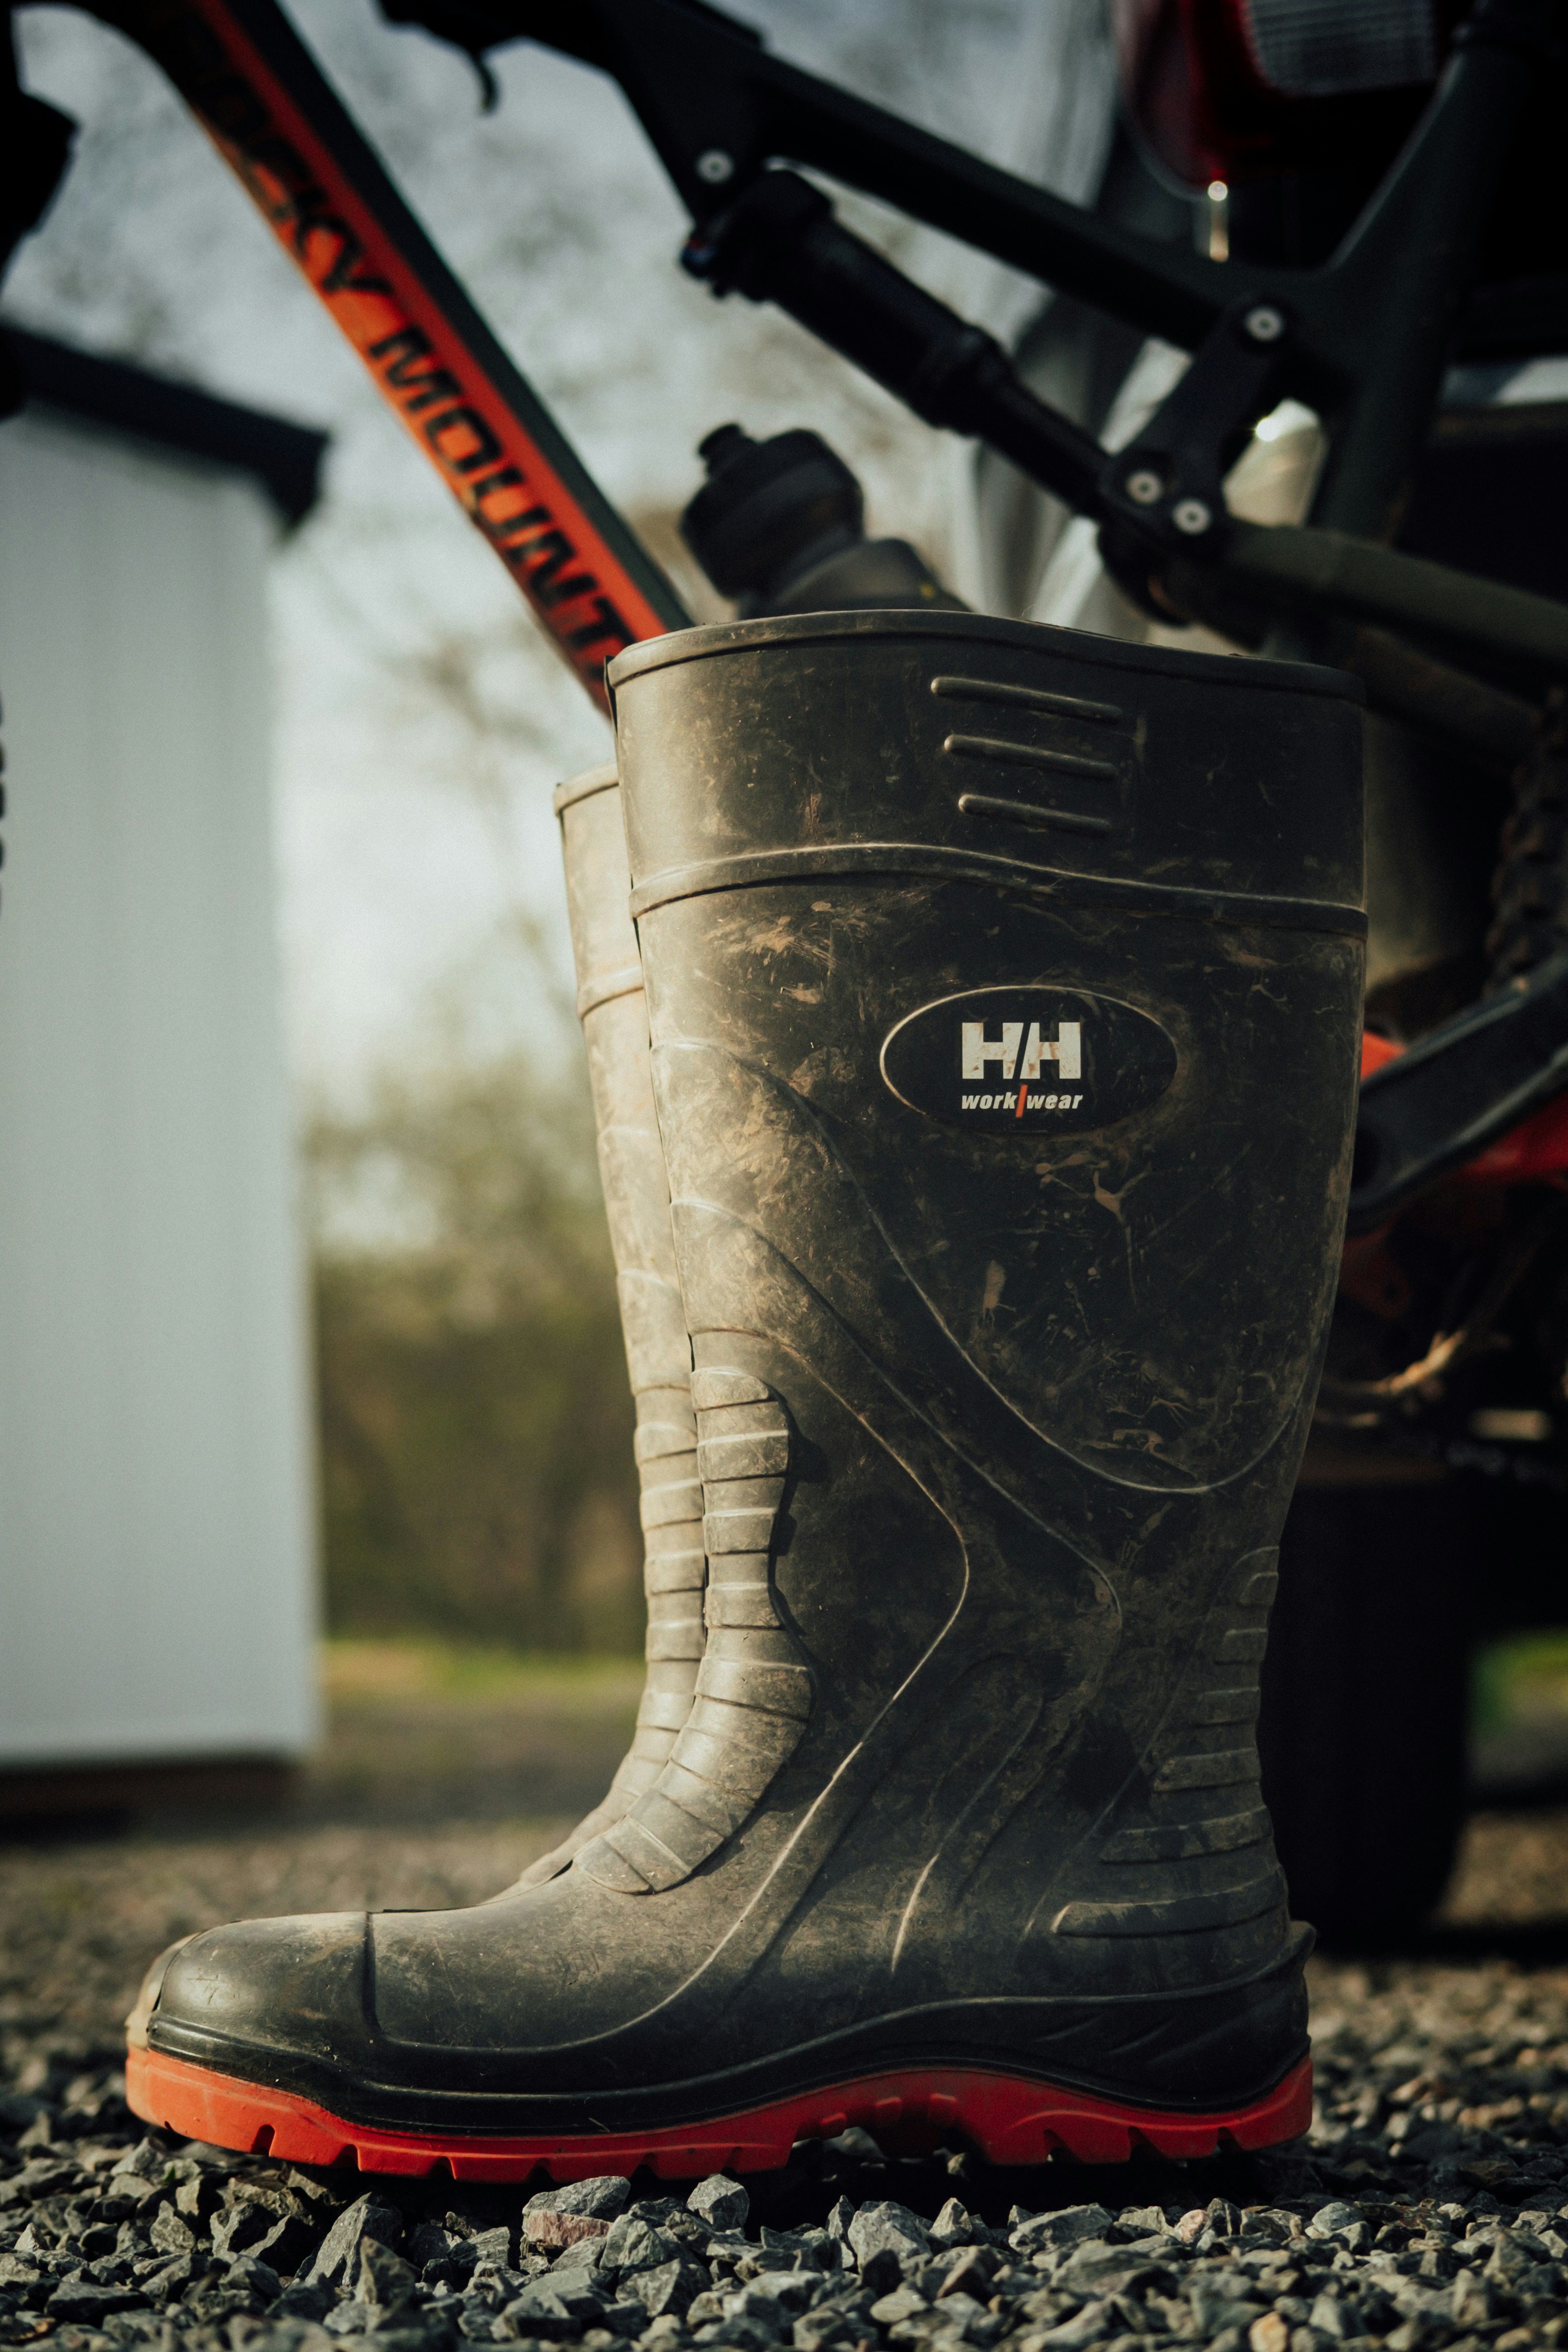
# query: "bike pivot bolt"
x,y
1144,486
1264,324
714,166
1191,517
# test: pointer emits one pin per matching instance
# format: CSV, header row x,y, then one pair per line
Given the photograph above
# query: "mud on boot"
x,y
1003,988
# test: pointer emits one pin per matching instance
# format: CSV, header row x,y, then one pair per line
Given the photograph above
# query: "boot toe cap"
x,y
293,1986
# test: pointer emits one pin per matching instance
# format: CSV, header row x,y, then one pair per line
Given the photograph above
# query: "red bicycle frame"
x,y
260,97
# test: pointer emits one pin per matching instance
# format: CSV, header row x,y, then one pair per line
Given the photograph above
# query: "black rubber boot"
x,y
1004,988
614,1015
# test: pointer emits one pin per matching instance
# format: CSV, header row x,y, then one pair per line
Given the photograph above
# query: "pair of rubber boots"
x,y
1003,988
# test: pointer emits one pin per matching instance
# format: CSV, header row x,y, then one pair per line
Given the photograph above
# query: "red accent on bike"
x,y
1375,1051
1198,80
1533,1152
580,589
1008,2119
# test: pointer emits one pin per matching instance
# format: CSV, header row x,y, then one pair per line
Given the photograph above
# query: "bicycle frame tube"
x,y
694,76
267,108
1363,338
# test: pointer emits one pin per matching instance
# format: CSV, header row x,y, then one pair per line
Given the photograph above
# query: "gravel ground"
x,y
1429,2206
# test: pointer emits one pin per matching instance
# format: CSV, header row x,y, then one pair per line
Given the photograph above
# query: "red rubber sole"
x,y
1005,2118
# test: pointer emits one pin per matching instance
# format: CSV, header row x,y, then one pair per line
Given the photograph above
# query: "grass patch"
x,y
417,1667
1522,1680
478,1482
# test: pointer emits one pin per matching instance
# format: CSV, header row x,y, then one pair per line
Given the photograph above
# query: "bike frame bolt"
x,y
1192,517
1145,487
714,166
1265,325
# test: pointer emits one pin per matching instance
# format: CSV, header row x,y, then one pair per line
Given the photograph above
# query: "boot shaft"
x,y
612,1008
1004,989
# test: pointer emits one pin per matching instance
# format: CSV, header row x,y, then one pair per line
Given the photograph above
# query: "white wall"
x,y
156,1577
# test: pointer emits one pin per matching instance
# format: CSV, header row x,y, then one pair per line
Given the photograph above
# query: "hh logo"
x,y
1028,1060
1065,1049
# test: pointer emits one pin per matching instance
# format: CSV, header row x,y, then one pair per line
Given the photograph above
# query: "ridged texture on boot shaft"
x,y
1203,1805
613,1011
753,1692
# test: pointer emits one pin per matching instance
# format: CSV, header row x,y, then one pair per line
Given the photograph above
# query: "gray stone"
x,y
956,2226
173,2278
958,2314
887,2228
669,2287
1096,2268
1051,2232
722,2203
1093,2325
902,2303
84,2301
171,2233
1145,2221
384,2279
815,2331
431,2242
546,2303
631,2244
1219,2302
606,2195
1333,2220
1335,2317
199,2196
1428,2142
966,2270
244,2286
744,2335
839,2218
793,2289
1515,2252
337,2259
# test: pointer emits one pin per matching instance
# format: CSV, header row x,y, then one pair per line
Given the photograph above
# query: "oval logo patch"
x,y
1023,1060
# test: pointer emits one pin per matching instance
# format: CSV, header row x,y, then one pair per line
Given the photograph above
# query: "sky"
x,y
422,722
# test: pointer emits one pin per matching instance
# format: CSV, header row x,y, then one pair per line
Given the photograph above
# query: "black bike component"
x,y
779,526
990,1494
1405,273
1456,1089
1170,479
1530,888
770,509
782,243
1365,1692
717,108
1501,631
1367,336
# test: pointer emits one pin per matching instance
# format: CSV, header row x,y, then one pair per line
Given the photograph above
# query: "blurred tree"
x,y
476,1424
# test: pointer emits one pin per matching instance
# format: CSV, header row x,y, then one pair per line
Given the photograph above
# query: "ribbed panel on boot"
x,y
1203,1792
658,1350
753,1695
